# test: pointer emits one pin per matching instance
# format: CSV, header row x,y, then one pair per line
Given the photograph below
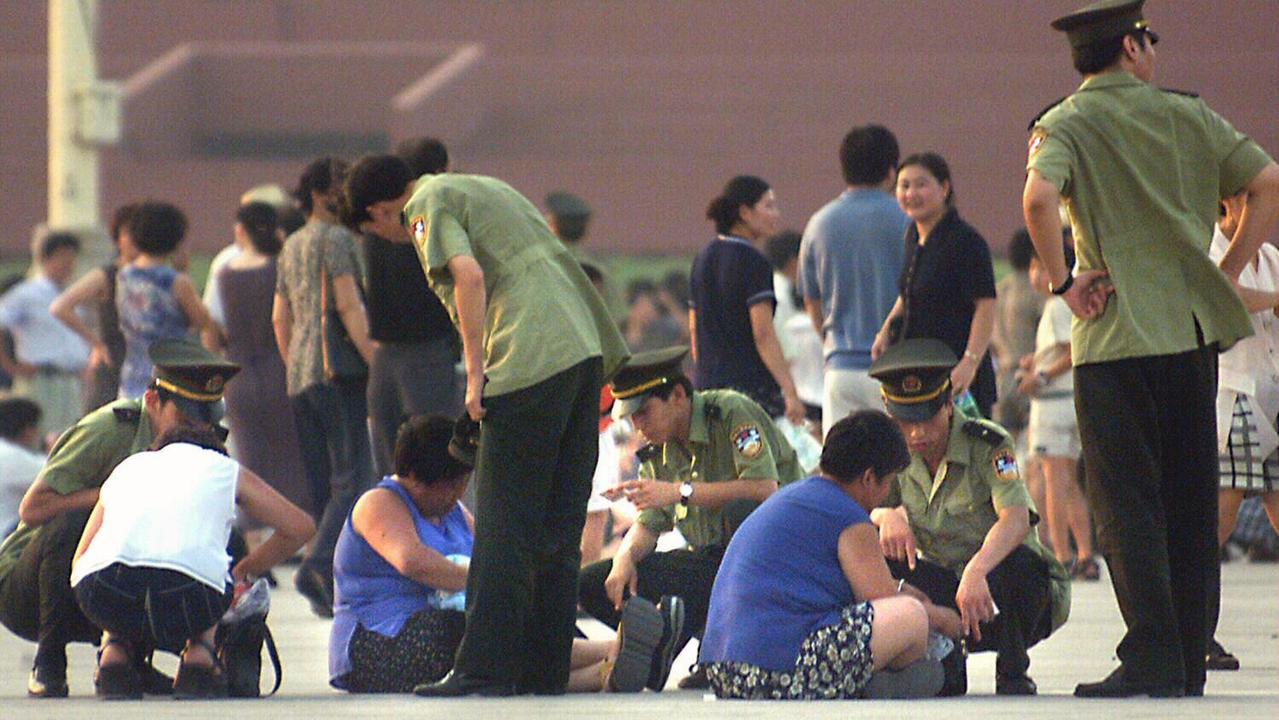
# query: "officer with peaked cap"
x,y
569,217
957,522
1143,170
36,601
713,456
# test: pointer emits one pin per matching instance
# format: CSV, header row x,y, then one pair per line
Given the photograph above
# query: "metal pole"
x,y
73,165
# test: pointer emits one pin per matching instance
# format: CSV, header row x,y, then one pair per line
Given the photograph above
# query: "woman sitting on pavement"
x,y
151,567
804,607
400,572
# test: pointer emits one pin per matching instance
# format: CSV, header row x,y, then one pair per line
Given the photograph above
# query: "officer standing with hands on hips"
x,y
1142,170
957,522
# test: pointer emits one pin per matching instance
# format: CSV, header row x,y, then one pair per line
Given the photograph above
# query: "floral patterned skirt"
x,y
834,664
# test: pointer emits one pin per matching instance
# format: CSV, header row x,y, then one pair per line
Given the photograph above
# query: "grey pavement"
x,y
1082,650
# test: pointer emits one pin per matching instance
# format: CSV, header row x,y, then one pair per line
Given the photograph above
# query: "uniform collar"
x,y
698,430
1117,78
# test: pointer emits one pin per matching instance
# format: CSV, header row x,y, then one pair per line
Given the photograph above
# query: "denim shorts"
x,y
155,607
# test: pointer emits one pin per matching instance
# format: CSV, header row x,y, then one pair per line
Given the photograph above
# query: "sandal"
x,y
1086,570
118,681
200,682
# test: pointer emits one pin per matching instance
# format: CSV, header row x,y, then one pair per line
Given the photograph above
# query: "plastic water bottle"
x,y
453,599
968,406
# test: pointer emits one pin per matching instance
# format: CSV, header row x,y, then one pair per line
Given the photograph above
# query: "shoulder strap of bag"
x,y
274,655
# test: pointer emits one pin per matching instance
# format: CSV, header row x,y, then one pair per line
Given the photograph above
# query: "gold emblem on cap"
x,y
214,384
912,383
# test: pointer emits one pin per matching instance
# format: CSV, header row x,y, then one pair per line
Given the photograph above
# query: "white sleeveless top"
x,y
170,508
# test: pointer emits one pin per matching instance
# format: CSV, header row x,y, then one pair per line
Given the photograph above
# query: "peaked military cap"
x,y
193,376
567,205
1101,21
914,377
644,374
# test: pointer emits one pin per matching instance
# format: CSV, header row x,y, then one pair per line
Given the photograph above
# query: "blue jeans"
x,y
154,607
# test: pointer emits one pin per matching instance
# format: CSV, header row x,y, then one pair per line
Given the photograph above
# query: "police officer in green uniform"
x,y
1142,171
569,217
537,344
957,522
36,601
714,456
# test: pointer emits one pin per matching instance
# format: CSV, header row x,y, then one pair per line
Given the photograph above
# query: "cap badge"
x,y
214,384
912,384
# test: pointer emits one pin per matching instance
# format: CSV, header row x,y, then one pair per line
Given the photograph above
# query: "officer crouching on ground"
x,y
714,456
36,600
957,523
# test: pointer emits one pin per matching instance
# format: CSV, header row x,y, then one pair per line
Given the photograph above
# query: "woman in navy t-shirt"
x,y
804,607
731,302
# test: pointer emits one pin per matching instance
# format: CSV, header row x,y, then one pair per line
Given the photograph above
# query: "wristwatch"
x,y
685,492
1064,286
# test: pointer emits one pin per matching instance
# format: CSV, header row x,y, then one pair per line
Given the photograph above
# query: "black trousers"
x,y
1019,586
538,448
1149,435
36,601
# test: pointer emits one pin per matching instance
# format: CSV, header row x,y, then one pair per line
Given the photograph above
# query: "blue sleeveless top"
x,y
371,593
147,311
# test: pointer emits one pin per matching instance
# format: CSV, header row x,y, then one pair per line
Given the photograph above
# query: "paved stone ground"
x,y
1082,650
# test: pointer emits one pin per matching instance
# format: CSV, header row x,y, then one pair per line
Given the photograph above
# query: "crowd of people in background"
x,y
391,327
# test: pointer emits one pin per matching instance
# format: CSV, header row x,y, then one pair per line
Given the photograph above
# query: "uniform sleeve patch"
x,y
1006,466
1037,139
748,440
418,227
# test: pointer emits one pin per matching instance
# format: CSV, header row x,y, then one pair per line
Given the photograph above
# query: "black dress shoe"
x,y
1015,685
47,682
695,679
312,586
1116,686
1220,658
454,685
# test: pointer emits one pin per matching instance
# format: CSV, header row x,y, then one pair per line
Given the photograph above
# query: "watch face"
x,y
686,490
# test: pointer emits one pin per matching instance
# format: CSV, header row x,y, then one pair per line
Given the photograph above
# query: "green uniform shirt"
x,y
730,437
1141,170
83,458
951,513
544,316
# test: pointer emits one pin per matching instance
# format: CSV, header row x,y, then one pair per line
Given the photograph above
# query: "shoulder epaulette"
x,y
712,411
127,414
1187,93
983,432
1044,112
648,453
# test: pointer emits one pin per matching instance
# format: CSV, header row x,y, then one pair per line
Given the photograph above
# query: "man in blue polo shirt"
x,y
849,261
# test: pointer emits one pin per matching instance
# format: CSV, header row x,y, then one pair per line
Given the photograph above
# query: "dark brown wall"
x,y
644,107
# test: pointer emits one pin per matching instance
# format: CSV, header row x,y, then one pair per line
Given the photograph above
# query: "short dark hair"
x,y
322,175
663,391
1095,57
782,248
868,154
120,220
373,178
422,450
867,439
199,435
1020,250
291,219
157,227
726,209
936,166
17,415
637,287
55,241
260,222
425,155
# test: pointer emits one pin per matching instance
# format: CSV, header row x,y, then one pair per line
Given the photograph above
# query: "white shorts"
x,y
607,473
845,392
1053,430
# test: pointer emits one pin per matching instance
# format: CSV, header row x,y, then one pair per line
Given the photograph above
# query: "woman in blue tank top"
x,y
399,572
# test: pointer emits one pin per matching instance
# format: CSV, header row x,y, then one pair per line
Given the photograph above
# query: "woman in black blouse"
x,y
947,287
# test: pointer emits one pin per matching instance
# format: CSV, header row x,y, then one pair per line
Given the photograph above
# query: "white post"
x,y
73,163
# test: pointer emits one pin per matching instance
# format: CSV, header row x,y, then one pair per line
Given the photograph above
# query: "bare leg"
x,y
197,654
113,653
1057,508
587,664
1228,502
1061,473
593,536
898,632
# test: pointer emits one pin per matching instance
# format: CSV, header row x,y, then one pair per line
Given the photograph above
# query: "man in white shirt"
x,y
19,464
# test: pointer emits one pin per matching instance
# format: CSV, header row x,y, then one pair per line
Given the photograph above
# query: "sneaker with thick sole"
x,y
639,634
920,679
672,609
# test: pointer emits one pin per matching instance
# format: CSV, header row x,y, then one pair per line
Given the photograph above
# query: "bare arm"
x,y
385,523
1041,206
91,286
197,315
896,539
770,351
282,323
692,333
881,337
471,300
863,565
90,531
979,332
1260,212
42,503
291,525
647,494
973,597
346,298
639,543
814,310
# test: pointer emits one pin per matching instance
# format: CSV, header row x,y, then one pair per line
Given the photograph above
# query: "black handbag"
x,y
342,361
239,647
